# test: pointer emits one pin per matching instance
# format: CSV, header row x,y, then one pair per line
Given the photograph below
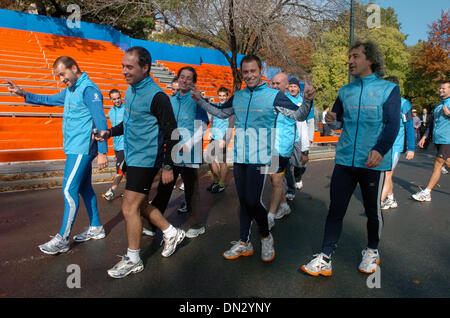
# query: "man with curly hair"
x,y
368,109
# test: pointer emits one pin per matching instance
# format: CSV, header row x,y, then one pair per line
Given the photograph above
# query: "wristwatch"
x,y
305,153
167,167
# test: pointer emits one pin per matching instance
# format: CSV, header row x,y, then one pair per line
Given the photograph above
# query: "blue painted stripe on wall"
x,y
159,51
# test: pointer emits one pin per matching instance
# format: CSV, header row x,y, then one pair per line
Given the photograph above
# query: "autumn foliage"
x,y
433,59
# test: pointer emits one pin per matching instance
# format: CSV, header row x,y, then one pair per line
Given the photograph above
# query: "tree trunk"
x,y
237,79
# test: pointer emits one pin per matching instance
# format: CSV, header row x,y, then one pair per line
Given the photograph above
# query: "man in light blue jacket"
x,y
221,130
147,128
369,111
255,108
83,111
115,116
286,136
440,126
405,133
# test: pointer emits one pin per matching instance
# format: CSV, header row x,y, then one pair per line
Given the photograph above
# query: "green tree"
x,y
330,67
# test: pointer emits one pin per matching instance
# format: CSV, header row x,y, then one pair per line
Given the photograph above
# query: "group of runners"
x,y
154,134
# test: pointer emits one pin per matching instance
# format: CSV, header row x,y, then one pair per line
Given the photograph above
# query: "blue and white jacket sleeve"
x,y
46,100
94,101
225,111
286,107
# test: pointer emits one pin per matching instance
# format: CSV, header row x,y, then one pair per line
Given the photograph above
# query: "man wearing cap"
x,y
301,149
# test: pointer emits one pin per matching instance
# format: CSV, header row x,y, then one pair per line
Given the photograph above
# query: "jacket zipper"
x,y
246,119
357,123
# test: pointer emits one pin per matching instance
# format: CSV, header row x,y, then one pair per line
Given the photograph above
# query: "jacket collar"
x,y
367,79
142,83
263,85
118,107
184,97
79,81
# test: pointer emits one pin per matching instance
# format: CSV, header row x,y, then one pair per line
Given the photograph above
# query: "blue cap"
x,y
295,81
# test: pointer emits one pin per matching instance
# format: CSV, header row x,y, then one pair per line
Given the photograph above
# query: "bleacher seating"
x,y
31,132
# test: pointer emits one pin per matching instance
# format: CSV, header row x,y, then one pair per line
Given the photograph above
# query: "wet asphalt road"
x,y
414,247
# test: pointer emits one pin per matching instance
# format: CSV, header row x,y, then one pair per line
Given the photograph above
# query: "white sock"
x,y
428,191
271,216
170,231
283,204
133,255
390,197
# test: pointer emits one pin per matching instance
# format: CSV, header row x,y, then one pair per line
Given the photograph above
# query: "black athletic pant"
x,y
191,192
249,186
343,184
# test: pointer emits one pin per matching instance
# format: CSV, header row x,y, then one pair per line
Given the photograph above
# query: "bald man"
x,y
284,143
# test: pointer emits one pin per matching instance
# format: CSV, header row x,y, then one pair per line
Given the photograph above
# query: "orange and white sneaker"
x,y
370,261
239,249
320,265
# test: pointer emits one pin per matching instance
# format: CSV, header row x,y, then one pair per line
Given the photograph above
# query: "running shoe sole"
x,y
239,255
97,237
54,253
269,260
321,273
134,271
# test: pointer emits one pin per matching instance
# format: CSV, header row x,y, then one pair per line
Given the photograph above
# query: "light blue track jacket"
x,y
115,115
369,109
140,126
83,111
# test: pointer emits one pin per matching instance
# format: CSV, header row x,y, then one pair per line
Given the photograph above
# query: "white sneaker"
x,y
191,233
238,249
443,170
56,245
148,232
109,195
389,204
170,243
370,261
267,249
125,267
319,265
422,196
299,185
282,211
93,232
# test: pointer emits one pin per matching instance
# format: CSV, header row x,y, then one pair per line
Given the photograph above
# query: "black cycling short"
x,y
443,151
280,165
140,179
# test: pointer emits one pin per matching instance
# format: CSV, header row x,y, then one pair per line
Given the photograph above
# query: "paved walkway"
x,y
414,246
